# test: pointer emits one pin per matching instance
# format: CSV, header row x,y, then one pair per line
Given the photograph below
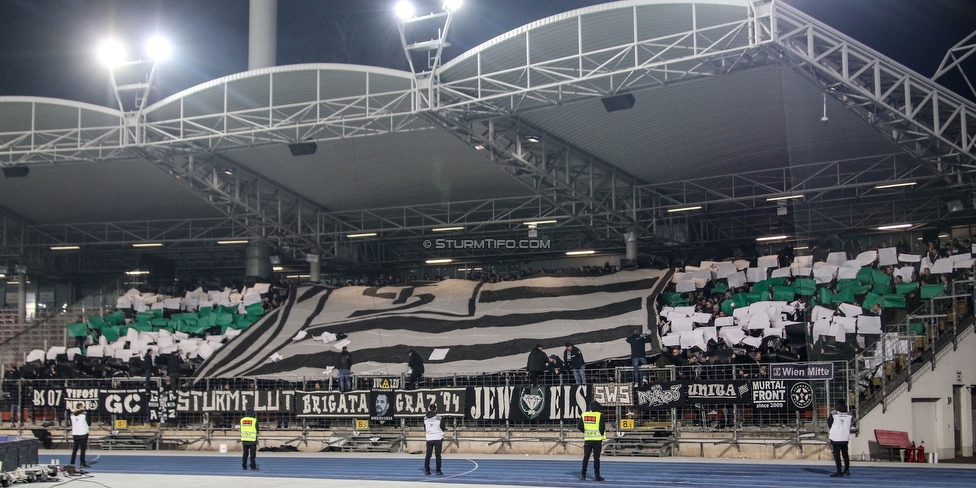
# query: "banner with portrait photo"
x,y
382,405
660,396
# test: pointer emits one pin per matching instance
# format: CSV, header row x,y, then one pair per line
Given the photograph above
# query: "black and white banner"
x,y
660,396
122,402
527,404
333,404
718,392
380,405
235,401
49,398
483,326
414,403
162,405
89,397
613,394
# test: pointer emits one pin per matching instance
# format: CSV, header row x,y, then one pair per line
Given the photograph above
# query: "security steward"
x,y
594,428
249,438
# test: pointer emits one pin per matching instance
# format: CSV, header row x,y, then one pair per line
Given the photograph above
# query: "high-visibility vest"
x,y
249,429
591,427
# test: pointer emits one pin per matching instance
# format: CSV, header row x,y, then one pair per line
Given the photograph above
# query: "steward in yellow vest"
x,y
249,438
594,428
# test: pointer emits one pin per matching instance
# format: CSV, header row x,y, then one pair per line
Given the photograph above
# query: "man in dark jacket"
x,y
637,353
574,360
416,365
555,366
344,365
536,364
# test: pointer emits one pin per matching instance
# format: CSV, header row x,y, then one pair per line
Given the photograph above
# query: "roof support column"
x,y
262,45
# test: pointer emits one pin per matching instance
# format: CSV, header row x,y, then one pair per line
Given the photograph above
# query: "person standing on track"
x,y
839,423
434,427
80,426
249,438
594,428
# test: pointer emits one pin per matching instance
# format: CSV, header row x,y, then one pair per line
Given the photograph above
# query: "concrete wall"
x,y
925,412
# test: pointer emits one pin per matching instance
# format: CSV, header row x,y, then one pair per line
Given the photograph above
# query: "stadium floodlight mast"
x,y
414,27
132,78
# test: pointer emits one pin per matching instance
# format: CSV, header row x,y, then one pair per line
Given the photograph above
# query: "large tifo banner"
x,y
456,326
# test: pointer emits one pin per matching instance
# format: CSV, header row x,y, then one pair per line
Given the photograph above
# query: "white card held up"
x,y
671,340
942,266
724,269
737,279
887,256
868,324
909,258
343,343
782,273
822,312
724,321
754,275
684,286
765,262
837,258
701,318
866,258
907,273
850,310
802,262
847,272
439,354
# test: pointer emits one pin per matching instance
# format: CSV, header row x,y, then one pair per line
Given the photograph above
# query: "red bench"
x,y
892,440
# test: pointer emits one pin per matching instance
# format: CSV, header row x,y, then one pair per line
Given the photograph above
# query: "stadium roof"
x,y
770,121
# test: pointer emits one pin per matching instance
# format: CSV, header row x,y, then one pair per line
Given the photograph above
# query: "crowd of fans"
x,y
715,298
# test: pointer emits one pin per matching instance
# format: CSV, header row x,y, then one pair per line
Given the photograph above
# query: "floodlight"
x,y
452,5
771,238
895,185
111,52
895,226
580,253
404,10
684,209
158,49
439,261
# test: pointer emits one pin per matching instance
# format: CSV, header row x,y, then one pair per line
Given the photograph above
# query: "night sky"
x,y
47,46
